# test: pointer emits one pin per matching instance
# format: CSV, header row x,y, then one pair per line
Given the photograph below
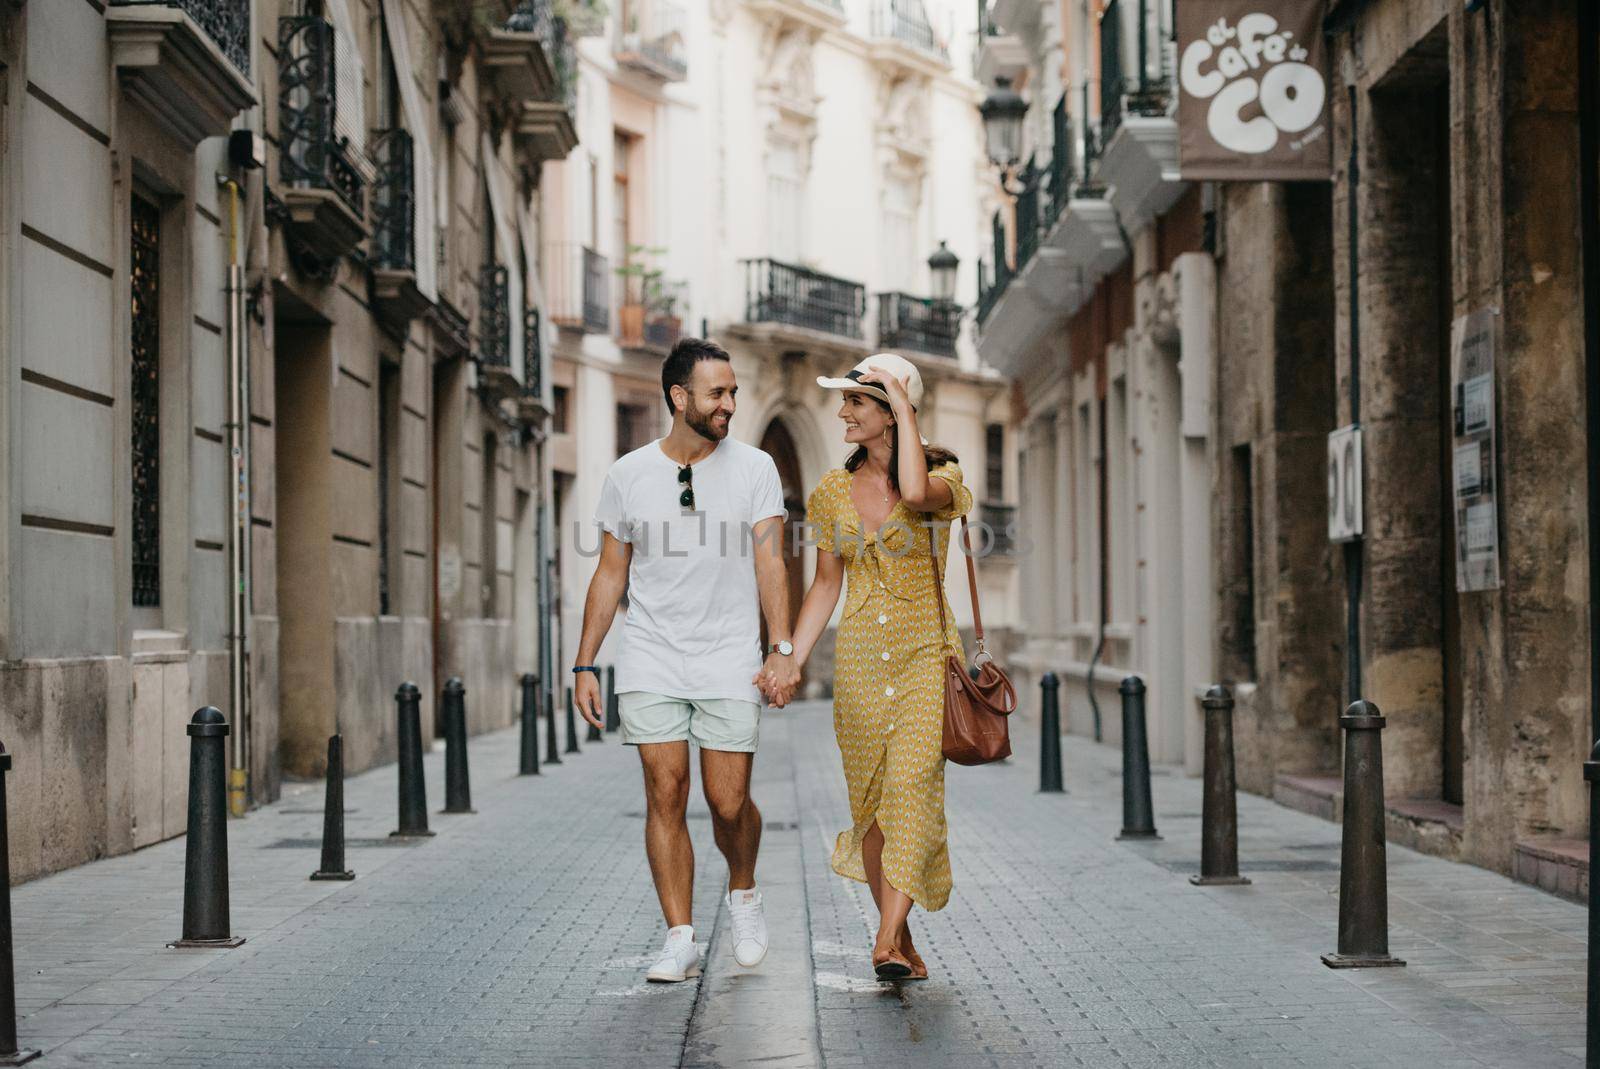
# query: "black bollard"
x,y
572,725
1050,735
613,713
1219,817
205,862
552,744
529,755
9,1054
413,791
1591,772
457,787
332,867
1363,870
1138,815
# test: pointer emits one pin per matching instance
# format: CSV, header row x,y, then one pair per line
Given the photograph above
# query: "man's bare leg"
x,y
734,817
666,831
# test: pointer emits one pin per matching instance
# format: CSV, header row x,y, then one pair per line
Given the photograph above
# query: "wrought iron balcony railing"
x,y
494,316
777,292
578,288
309,153
394,202
1145,88
988,292
917,323
652,33
532,354
992,283
998,519
906,21
1027,214
226,22
539,17
987,27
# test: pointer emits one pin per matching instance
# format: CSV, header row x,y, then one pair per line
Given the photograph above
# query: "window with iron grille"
x,y
995,455
144,274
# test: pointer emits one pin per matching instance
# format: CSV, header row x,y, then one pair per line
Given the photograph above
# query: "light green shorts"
x,y
713,723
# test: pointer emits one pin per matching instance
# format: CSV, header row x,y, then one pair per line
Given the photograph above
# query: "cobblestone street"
x,y
519,936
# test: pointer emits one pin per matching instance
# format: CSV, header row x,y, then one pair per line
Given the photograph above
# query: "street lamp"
x,y
1003,111
942,266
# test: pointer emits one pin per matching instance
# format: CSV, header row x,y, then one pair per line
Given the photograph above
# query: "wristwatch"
x,y
782,649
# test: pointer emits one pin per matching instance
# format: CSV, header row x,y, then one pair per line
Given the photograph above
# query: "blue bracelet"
x,y
587,668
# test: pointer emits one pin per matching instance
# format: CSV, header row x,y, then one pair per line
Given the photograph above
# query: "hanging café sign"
x,y
1253,91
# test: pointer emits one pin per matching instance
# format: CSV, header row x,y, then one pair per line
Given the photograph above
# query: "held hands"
x,y
586,696
778,679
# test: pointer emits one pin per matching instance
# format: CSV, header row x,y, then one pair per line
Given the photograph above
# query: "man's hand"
x,y
586,696
779,678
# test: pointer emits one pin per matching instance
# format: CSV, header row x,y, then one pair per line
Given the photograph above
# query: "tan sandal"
x,y
889,964
919,969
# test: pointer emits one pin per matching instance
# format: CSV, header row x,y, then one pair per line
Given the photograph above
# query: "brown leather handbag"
x,y
975,709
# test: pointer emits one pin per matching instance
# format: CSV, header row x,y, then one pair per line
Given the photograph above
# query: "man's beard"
x,y
705,424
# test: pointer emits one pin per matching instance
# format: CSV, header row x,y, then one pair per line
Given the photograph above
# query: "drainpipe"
x,y
1353,559
239,503
1589,200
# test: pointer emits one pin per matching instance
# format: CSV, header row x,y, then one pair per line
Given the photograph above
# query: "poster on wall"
x,y
1472,449
1253,91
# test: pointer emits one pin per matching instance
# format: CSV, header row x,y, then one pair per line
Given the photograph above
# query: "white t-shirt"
x,y
693,628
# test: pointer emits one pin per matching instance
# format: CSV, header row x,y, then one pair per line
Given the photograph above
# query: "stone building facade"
x,y
1455,201
275,386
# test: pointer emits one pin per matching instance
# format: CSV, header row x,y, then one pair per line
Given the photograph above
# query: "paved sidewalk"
x,y
518,937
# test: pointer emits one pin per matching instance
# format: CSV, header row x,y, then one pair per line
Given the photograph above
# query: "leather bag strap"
x,y
972,581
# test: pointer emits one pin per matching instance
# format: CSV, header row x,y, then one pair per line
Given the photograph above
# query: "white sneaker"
x,y
749,927
679,958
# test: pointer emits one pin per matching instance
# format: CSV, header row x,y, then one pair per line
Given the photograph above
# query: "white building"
x,y
1098,299
791,165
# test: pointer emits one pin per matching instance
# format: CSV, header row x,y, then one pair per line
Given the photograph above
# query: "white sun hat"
x,y
889,363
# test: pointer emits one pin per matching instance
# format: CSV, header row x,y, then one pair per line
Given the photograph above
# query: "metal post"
x,y
1591,772
552,745
9,1054
1363,873
529,749
613,712
1219,817
413,791
205,867
457,787
332,867
572,725
1050,734
1138,814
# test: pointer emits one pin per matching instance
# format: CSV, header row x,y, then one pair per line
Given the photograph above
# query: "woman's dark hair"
x,y
936,454
678,368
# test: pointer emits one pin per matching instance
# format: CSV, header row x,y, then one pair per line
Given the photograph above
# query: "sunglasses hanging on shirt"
x,y
686,477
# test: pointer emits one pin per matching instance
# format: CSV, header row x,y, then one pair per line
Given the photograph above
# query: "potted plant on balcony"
x,y
641,284
663,326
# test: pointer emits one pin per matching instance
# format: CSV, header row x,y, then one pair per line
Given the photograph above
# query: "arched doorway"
x,y
779,443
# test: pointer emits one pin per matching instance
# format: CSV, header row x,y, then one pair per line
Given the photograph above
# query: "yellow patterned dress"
x,y
888,686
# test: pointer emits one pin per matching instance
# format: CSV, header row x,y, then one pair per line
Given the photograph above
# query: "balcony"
x,y
651,316
902,37
394,291
578,288
325,194
531,403
788,296
186,61
917,324
545,125
494,331
820,16
650,39
999,53
515,56
1138,134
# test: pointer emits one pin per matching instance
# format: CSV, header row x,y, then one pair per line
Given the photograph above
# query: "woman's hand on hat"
x,y
892,385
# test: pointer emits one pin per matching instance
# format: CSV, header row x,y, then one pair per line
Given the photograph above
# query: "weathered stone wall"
x,y
1499,87
1280,629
